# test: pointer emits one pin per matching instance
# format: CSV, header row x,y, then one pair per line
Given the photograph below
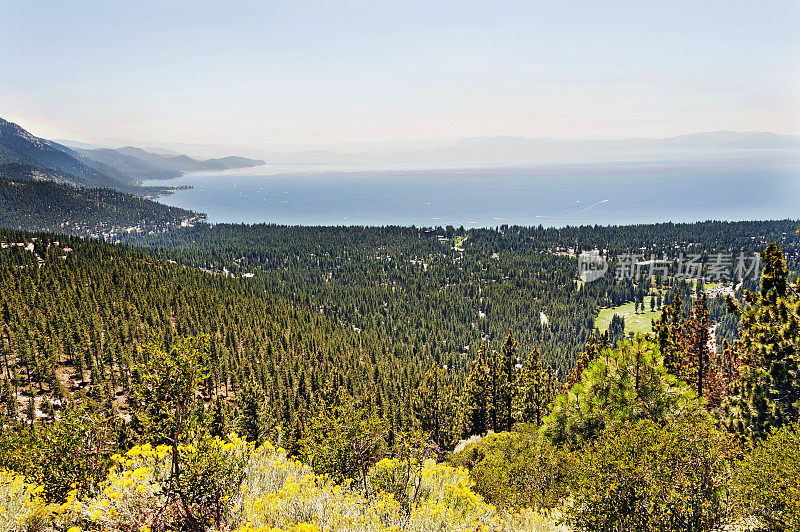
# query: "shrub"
x,y
768,481
60,456
141,493
277,495
282,493
516,469
642,476
211,472
21,505
344,440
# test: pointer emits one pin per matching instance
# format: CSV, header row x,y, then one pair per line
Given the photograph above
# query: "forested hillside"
x,y
373,309
76,323
43,205
418,288
119,169
368,353
45,186
18,146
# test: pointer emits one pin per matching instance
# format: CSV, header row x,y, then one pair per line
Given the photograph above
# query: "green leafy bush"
x,y
768,481
202,472
73,452
344,440
642,476
211,471
516,469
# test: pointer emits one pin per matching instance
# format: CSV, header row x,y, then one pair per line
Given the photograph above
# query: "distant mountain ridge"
x,y
140,164
134,168
20,147
515,150
47,186
734,140
693,141
118,168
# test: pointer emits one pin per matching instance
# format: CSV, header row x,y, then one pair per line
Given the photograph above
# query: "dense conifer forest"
x,y
100,212
385,360
417,287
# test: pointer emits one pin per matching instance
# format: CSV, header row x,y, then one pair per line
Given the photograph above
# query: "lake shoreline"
x,y
552,196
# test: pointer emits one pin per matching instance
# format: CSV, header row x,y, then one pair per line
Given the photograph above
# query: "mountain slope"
x,y
19,146
32,199
142,164
232,161
512,150
23,172
731,140
135,167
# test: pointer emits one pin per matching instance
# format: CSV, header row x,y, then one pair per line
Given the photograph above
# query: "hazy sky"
x,y
264,74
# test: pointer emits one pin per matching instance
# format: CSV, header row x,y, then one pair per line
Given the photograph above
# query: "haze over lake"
x,y
551,195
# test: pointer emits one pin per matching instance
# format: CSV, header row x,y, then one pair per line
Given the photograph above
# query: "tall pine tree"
x,y
767,394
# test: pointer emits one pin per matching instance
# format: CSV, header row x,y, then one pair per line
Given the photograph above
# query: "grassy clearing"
x,y
633,322
637,322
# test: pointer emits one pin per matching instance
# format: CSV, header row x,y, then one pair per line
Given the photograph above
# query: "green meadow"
x,y
633,322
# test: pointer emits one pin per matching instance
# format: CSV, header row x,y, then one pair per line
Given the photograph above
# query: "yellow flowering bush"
x,y
285,495
131,495
135,494
21,503
275,494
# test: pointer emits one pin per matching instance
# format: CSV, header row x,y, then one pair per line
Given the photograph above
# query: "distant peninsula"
x,y
142,165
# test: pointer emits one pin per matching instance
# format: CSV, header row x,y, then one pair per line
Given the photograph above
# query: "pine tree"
x,y
684,342
477,393
491,388
430,404
594,346
537,387
505,366
767,393
697,365
626,384
8,402
248,405
616,329
669,331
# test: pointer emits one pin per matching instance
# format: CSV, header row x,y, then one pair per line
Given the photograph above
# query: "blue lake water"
x,y
551,195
